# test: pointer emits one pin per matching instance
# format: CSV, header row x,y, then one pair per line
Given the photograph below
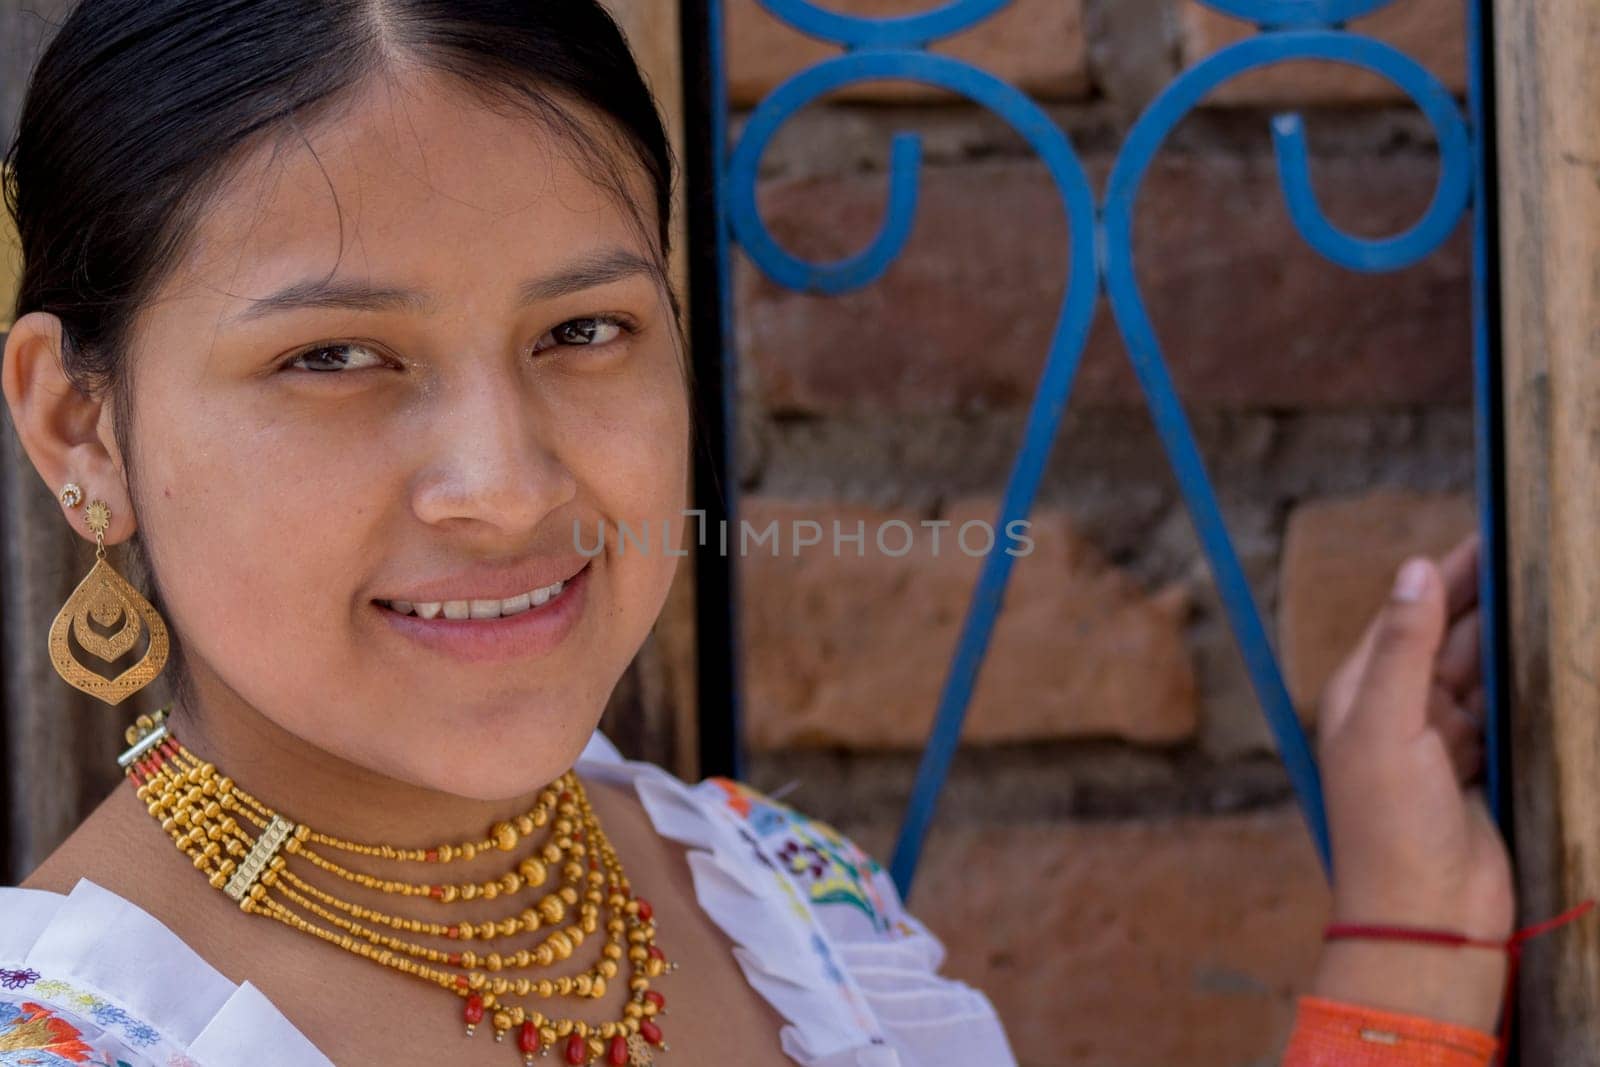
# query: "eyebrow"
x,y
598,269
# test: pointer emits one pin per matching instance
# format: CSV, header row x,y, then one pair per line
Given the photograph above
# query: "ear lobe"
x,y
58,424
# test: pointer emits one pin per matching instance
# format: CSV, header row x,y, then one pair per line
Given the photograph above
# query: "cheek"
x,y
631,457
251,520
643,462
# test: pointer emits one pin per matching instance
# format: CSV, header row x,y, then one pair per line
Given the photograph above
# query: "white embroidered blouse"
x,y
89,978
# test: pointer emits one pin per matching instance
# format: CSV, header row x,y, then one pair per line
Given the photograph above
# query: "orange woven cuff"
x,y
1333,1033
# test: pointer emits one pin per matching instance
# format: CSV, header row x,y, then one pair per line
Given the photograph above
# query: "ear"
x,y
69,435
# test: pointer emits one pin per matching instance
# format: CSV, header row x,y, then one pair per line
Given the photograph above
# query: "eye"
x,y
591,330
325,359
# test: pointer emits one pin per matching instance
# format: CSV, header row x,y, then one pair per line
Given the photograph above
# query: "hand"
x,y
1400,744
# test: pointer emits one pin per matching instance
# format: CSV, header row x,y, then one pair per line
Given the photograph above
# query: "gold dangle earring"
x,y
105,596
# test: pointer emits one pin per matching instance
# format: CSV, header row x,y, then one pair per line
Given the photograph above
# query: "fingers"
x,y
1339,694
1391,699
1469,762
1459,569
1476,704
1460,666
1459,730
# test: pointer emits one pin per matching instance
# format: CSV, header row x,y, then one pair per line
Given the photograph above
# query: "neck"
x,y
316,787
334,796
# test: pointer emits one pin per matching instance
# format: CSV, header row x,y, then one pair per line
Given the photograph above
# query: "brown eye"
x,y
335,357
593,330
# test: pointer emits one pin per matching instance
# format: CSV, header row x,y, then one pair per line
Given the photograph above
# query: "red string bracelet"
x,y
1512,946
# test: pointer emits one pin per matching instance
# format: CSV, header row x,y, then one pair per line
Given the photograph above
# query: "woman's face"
x,y
369,383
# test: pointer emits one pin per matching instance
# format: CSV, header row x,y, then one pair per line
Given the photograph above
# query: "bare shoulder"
x,y
121,848
113,847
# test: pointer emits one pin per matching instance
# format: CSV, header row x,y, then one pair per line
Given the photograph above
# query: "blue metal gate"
x,y
724,213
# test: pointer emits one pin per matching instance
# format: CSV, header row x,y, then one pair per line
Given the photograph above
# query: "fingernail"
x,y
1411,581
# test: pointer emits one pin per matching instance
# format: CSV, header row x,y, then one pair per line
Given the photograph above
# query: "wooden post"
x,y
1549,168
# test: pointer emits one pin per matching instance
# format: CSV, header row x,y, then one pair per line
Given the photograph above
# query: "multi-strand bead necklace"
x,y
245,848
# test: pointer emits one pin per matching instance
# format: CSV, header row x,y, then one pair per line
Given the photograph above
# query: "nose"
x,y
492,457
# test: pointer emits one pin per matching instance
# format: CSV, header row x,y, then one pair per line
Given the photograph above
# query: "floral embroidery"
x,y
33,1035
796,904
24,1027
111,1015
143,1034
54,987
10,979
829,866
828,962
819,944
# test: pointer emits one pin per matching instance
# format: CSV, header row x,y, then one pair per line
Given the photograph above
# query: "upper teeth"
x,y
476,609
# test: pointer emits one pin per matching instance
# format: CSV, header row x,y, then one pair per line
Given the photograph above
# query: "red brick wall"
x,y
1118,860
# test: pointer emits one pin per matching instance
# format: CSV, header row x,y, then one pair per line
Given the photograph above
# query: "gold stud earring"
x,y
106,597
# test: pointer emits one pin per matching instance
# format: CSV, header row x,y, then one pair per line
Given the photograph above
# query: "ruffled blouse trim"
x,y
859,989
100,957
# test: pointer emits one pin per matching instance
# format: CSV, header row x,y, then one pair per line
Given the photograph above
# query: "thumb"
x,y
1391,699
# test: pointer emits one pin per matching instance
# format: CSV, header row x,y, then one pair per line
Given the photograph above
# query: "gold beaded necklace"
x,y
245,848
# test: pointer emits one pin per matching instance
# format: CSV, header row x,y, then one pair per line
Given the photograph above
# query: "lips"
x,y
525,634
476,608
484,582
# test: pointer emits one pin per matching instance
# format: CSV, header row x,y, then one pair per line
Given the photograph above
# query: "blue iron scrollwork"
x,y
905,31
1283,14
1100,259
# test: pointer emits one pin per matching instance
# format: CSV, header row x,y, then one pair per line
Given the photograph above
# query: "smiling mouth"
x,y
479,609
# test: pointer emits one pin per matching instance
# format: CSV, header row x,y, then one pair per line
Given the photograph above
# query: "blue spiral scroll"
x,y
1066,346
1286,14
905,31
1100,255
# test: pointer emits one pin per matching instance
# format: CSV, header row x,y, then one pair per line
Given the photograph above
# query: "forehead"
x,y
413,179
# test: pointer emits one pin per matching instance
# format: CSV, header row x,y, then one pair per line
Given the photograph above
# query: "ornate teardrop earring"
x,y
105,596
